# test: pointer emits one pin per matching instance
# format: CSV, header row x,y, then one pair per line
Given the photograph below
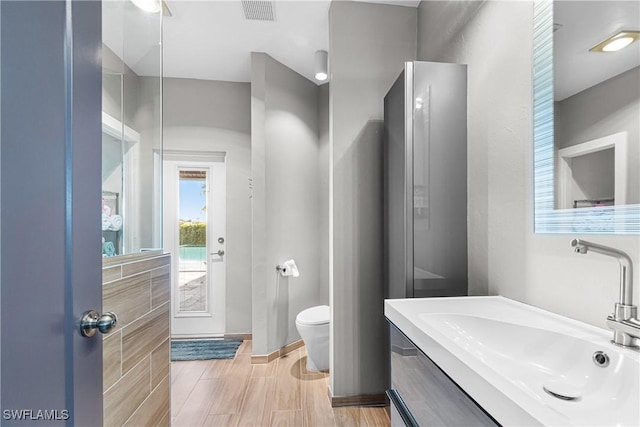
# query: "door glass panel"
x,y
192,258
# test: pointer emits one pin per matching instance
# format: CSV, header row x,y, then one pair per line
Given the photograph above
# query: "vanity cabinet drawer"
x,y
429,396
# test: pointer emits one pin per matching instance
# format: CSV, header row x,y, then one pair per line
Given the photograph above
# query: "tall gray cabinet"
x,y
425,181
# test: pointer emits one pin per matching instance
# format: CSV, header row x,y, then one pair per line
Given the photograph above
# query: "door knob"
x,y
92,321
219,253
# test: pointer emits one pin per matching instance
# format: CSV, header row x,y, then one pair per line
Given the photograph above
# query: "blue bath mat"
x,y
204,349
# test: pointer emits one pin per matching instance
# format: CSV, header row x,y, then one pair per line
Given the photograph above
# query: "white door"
x,y
194,230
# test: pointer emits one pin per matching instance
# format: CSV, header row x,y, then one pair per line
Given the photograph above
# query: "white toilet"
x,y
313,327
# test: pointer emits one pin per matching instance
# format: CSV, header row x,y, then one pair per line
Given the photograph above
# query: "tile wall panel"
x,y
111,273
159,366
160,286
136,356
123,399
131,268
154,409
111,359
141,337
129,298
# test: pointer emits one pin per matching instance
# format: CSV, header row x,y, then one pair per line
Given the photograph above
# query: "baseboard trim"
x,y
378,399
244,337
259,359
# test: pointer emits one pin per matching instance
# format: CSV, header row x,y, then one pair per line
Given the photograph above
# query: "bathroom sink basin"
x,y
525,365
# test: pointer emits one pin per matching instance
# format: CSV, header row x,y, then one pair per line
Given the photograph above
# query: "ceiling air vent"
x,y
257,10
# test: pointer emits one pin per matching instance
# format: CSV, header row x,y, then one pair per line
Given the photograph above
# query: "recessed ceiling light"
x,y
616,42
151,6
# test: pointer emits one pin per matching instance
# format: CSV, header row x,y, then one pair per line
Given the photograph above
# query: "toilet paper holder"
x,y
288,269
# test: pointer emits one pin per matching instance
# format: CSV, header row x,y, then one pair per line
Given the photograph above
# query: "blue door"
x,y
50,212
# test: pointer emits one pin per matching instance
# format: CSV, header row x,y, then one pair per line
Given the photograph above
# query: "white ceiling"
x,y
212,40
585,24
123,21
407,3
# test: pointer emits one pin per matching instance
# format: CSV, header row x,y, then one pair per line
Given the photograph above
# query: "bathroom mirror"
x,y
131,130
586,118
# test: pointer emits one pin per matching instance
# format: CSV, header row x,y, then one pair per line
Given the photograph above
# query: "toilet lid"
x,y
314,316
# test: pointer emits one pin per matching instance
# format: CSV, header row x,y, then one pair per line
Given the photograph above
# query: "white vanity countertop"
x,y
504,353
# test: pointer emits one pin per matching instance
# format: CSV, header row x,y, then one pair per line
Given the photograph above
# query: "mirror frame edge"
x,y
619,219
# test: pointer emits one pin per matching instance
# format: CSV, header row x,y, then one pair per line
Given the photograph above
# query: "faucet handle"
x,y
579,248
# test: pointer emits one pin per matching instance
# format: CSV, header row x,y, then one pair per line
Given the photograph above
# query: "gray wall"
x,y
324,166
505,256
286,200
112,101
201,115
148,117
368,47
610,107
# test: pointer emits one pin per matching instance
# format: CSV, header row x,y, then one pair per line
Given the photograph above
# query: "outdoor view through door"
x,y
195,235
192,255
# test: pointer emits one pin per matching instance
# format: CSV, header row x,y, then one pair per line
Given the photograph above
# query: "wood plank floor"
x,y
281,393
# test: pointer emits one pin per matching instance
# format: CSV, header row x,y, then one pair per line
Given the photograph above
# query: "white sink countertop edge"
x,y
508,404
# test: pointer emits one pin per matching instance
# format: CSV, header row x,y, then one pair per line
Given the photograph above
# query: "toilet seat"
x,y
314,316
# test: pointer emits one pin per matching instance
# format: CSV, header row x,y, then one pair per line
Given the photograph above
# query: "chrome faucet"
x,y
624,320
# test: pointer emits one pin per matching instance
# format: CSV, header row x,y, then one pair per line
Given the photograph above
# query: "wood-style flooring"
x,y
281,393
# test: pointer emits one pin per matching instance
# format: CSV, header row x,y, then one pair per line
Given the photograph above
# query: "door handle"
x,y
92,321
219,253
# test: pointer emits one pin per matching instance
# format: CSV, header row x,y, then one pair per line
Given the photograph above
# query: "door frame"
x,y
217,297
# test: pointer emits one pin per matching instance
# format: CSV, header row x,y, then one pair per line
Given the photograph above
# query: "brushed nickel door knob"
x,y
92,320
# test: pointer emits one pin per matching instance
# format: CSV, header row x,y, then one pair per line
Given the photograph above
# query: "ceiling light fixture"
x,y
151,6
321,65
616,42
